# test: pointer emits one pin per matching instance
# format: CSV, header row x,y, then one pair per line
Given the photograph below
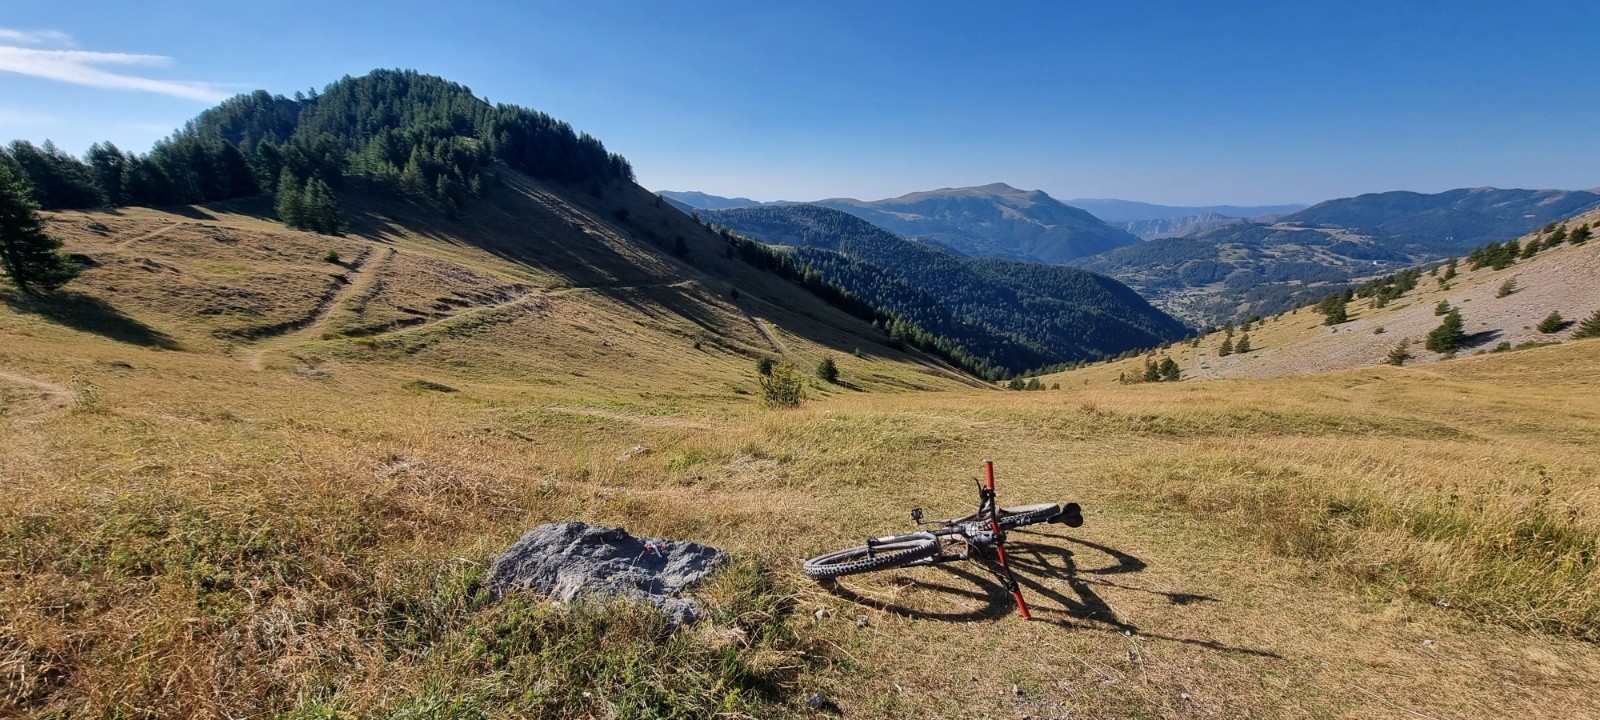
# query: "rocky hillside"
x,y
1501,309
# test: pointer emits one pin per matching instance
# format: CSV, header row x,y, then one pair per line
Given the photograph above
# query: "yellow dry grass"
x,y
183,534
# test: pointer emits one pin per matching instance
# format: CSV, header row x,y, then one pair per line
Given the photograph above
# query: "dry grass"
x,y
186,535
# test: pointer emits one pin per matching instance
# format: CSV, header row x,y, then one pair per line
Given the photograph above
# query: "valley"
x,y
321,359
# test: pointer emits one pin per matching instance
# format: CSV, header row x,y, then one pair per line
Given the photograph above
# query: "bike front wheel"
x,y
884,553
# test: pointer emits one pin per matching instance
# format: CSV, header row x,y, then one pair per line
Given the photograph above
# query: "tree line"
x,y
407,133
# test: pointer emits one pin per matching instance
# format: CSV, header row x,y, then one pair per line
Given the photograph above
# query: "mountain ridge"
x,y
1059,314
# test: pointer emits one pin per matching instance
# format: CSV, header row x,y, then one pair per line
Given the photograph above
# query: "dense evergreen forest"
x,y
1014,316
406,132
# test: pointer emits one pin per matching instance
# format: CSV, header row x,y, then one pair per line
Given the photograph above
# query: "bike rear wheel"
x,y
890,552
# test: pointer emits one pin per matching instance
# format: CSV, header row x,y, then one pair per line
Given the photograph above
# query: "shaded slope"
x,y
1053,313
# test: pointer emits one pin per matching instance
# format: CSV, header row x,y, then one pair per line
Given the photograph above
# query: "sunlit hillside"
x,y
1564,279
245,477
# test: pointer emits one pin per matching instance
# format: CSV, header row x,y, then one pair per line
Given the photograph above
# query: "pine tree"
x,y
1227,347
1552,323
1556,237
1243,345
1442,308
1169,369
1589,328
291,200
827,369
1580,235
1531,249
1447,338
32,259
321,209
1151,372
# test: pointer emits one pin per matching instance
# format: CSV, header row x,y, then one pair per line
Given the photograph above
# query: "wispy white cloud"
x,y
84,67
36,37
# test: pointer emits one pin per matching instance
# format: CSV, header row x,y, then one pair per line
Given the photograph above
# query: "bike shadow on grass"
x,y
1035,557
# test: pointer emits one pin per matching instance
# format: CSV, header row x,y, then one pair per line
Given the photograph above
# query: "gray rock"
x,y
569,560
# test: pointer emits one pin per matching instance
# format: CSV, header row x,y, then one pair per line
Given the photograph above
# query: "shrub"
x,y
764,366
332,256
782,388
1553,323
428,385
1506,288
1580,235
1504,346
1400,353
1033,384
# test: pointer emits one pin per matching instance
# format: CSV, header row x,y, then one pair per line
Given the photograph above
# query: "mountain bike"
x,y
980,536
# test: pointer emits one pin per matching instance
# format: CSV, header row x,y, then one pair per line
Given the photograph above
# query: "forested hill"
x,y
1016,315
994,220
411,133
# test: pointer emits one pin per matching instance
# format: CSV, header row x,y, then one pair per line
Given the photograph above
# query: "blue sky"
x,y
1171,102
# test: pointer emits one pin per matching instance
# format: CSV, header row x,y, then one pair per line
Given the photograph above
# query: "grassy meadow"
x,y
199,522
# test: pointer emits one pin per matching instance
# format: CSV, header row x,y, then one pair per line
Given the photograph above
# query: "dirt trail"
x,y
146,236
365,273
777,345
528,298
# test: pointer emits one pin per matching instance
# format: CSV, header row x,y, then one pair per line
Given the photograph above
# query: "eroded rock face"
x,y
571,560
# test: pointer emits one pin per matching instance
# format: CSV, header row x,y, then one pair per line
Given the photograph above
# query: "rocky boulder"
x,y
571,560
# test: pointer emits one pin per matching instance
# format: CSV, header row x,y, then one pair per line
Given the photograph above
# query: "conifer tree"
x,y
291,200
1243,345
827,369
1151,372
1552,323
1169,369
1227,347
1442,308
32,259
1589,328
321,208
1580,235
1447,338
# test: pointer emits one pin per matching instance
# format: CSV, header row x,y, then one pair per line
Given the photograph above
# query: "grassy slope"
x,y
184,534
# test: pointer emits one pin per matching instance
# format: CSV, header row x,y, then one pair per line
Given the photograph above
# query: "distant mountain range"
x,y
1010,313
1122,211
704,201
1246,268
994,220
